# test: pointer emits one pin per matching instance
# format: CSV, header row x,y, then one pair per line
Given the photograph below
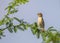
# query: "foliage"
x,y
50,35
11,9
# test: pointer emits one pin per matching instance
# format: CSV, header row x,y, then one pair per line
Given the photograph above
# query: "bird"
x,y
40,22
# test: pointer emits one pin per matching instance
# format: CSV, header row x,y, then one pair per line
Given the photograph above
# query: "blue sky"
x,y
28,12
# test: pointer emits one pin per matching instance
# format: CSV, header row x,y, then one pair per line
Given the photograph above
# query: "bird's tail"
x,y
43,30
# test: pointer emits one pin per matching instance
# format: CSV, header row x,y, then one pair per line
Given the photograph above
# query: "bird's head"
x,y
39,14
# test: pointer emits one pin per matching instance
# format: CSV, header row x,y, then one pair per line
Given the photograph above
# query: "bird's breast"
x,y
40,19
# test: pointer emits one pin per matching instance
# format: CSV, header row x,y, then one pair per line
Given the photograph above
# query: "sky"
x,y
51,14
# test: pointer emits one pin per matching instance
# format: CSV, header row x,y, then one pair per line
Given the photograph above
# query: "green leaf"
x,y
1,32
9,7
38,33
15,29
52,30
10,25
48,40
17,19
43,34
20,27
33,31
35,24
27,25
1,23
10,30
24,26
50,27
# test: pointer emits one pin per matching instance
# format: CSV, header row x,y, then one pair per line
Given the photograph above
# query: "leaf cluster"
x,y
12,6
11,9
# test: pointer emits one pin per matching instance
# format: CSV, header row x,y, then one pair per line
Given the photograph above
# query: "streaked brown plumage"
x,y
41,21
